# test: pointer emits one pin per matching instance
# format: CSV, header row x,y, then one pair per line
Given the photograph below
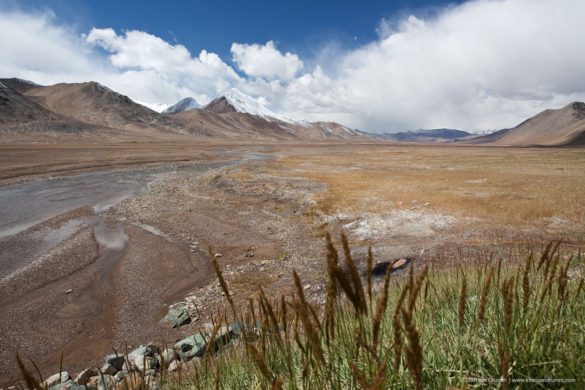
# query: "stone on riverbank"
x,y
191,346
56,379
177,317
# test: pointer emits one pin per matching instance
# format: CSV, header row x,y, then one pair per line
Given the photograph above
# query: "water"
x,y
25,205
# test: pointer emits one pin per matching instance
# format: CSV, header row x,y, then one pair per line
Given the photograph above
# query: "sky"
x,y
380,66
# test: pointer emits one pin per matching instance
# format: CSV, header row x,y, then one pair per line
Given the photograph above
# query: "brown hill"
x,y
19,85
237,125
20,115
91,110
96,104
562,127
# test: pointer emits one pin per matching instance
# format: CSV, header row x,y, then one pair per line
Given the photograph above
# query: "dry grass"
x,y
503,186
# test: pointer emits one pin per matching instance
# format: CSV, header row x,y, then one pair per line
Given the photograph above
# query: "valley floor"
x,y
264,208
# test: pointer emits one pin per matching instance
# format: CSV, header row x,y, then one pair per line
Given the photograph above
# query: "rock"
x,y
191,346
115,360
177,317
249,254
307,287
151,372
70,385
69,291
145,363
400,263
131,382
93,381
168,357
108,369
63,386
106,382
217,255
56,379
120,375
174,366
83,377
138,352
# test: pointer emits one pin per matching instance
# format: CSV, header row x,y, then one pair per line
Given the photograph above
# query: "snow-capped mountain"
x,y
185,104
235,100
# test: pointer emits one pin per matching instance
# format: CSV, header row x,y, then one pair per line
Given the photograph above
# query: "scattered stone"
x,y
145,363
249,254
63,386
177,317
108,369
174,366
56,379
69,291
106,382
217,255
191,346
307,287
400,263
168,357
83,377
93,381
120,375
115,360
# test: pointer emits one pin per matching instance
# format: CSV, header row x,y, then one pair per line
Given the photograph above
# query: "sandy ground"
x,y
266,216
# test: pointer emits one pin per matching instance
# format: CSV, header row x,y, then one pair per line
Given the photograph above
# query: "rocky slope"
x,y
98,105
235,115
19,114
185,104
562,127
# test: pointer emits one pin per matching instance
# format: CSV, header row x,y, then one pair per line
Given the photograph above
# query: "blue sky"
x,y
301,26
380,66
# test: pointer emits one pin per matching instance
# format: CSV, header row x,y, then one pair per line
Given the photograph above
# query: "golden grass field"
x,y
535,189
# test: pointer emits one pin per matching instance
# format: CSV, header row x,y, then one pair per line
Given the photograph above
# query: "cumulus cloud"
x,y
265,61
35,44
206,74
484,64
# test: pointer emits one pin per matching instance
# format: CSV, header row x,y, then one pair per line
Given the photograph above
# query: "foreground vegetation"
x,y
517,322
514,321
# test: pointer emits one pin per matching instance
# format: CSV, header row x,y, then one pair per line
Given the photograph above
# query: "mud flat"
x,y
77,279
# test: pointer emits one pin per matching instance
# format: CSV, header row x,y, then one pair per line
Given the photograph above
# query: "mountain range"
x,y
561,127
31,112
422,135
93,110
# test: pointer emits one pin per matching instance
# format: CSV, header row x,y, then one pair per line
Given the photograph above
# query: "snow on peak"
x,y
185,104
246,104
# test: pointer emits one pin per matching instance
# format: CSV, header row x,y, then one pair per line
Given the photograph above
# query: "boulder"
x,y
177,317
65,385
83,377
174,366
56,379
145,363
116,360
120,375
108,369
168,356
106,382
140,351
191,346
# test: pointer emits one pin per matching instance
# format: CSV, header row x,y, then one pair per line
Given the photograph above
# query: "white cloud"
x,y
205,75
265,61
485,64
34,43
